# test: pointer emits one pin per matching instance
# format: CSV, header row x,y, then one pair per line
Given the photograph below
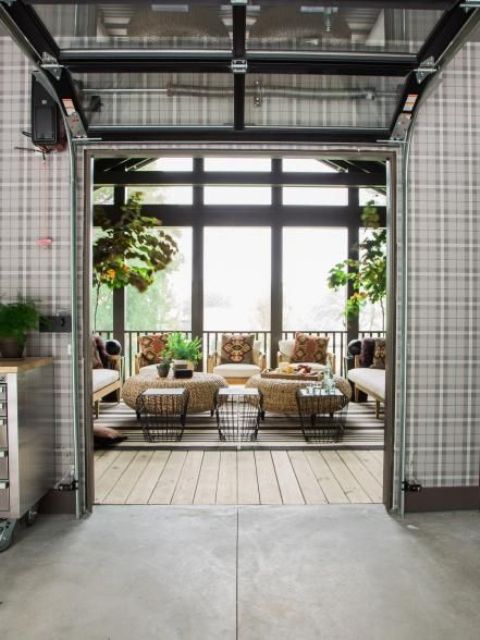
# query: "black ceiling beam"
x,y
247,215
380,4
239,43
146,61
227,134
144,178
444,32
283,62
33,29
331,63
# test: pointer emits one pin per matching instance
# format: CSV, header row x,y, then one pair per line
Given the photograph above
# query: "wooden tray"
x,y
271,373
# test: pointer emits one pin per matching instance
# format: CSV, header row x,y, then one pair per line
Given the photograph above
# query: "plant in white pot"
x,y
182,351
16,319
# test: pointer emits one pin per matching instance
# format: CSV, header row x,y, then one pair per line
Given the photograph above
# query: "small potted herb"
x,y
182,351
16,319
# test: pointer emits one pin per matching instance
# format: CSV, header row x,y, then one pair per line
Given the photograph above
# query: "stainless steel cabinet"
x,y
27,435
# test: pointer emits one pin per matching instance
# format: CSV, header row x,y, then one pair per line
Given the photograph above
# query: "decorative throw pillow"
x,y
96,361
310,348
237,348
152,346
379,354
367,351
102,352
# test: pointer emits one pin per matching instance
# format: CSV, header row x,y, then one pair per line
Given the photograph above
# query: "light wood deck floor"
x,y
238,477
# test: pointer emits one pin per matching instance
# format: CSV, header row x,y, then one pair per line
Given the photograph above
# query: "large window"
x,y
237,271
178,194
308,255
237,195
238,164
315,196
101,301
166,304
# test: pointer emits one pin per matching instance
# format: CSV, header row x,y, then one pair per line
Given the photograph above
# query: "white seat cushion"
x,y
369,379
103,377
236,370
286,347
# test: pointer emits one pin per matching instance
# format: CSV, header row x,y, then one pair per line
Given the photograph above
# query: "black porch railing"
x,y
212,341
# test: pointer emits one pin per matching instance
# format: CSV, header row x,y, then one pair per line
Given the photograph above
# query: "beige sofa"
x,y
369,381
107,380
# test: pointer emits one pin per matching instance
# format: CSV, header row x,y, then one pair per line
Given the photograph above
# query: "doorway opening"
x,y
287,401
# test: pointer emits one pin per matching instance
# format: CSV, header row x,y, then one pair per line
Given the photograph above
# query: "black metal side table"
x,y
238,413
322,414
162,413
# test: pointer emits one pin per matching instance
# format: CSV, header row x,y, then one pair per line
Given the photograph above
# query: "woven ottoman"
x,y
279,395
202,388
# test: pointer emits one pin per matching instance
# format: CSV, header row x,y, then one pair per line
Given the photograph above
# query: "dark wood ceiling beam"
x,y
157,178
334,135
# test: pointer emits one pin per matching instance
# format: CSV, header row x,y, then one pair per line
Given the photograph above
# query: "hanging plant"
x,y
131,250
368,274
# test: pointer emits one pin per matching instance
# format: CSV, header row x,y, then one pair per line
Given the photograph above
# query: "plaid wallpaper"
x,y
34,203
443,401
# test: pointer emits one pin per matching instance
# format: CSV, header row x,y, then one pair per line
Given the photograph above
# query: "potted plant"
x,y
368,274
163,367
182,351
16,319
130,250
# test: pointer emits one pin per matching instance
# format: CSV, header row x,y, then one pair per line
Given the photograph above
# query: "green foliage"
x,y
16,318
181,348
368,274
131,250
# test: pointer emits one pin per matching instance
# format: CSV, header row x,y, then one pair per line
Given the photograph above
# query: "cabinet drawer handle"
x,y
4,484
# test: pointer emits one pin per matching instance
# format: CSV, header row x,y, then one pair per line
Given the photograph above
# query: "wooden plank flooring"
x,y
238,477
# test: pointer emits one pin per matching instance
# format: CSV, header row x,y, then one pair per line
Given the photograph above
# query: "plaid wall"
x,y
443,401
34,203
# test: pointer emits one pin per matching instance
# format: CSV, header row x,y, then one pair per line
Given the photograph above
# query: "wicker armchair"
x,y
237,373
285,350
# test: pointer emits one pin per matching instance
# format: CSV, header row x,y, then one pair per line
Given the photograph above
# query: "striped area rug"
x,y
362,429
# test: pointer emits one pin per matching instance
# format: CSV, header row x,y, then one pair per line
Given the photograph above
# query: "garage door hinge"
x,y
427,68
413,487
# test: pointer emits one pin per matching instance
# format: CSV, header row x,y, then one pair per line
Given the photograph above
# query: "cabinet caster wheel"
x,y
31,516
7,528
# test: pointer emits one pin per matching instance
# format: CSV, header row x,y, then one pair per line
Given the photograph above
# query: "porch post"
x,y
197,260
276,292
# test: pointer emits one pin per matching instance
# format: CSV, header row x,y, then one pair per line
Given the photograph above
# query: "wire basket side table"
x,y
322,414
162,413
238,414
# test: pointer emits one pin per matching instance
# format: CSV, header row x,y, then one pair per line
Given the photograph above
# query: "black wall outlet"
x,y
60,323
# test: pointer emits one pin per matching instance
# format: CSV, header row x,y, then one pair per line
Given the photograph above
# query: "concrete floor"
x,y
256,573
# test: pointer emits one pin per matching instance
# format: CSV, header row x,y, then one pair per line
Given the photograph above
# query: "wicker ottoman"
x,y
202,388
279,395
